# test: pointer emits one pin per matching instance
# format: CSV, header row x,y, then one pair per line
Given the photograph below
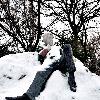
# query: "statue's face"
x,y
48,38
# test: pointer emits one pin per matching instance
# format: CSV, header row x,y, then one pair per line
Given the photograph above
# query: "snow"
x,y
18,70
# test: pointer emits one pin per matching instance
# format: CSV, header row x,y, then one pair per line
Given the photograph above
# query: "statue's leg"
x,y
68,65
39,82
71,81
36,87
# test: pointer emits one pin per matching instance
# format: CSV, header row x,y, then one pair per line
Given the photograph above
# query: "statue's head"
x,y
48,38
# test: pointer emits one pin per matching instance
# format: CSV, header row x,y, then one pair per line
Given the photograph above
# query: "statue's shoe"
x,y
23,97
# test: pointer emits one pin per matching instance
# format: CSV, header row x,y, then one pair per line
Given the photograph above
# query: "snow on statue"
x,y
64,64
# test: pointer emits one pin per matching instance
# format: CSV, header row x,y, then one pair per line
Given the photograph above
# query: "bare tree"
x,y
19,19
76,14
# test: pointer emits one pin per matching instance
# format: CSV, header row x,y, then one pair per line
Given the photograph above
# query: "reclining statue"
x,y
64,64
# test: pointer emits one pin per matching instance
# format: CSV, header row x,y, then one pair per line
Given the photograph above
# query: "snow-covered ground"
x,y
18,70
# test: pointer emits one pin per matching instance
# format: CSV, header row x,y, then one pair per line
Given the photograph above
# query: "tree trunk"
x,y
39,28
32,21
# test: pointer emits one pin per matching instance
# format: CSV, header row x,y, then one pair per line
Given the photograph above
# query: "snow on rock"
x,y
17,72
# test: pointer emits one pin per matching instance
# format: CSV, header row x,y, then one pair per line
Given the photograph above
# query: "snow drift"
x,y
18,70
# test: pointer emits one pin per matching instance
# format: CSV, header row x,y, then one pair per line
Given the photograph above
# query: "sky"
x,y
17,71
